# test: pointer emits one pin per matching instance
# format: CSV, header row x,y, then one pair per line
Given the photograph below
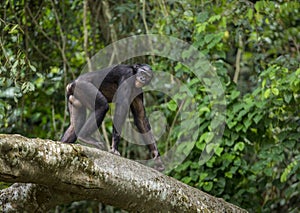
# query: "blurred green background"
x,y
253,46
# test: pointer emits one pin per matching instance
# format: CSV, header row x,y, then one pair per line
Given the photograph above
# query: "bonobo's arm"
x,y
143,125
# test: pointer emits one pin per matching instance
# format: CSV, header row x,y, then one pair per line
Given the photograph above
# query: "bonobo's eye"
x,y
144,75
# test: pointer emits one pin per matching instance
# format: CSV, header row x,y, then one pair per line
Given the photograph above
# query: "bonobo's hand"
x,y
158,164
114,151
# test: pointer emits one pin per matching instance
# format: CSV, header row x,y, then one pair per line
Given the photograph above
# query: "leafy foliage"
x,y
252,45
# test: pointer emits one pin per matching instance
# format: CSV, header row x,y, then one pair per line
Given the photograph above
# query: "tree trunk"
x,y
49,173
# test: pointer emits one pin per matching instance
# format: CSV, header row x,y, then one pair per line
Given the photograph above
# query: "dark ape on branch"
x,y
121,84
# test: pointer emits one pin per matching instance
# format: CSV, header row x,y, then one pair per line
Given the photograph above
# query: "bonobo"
x,y
121,84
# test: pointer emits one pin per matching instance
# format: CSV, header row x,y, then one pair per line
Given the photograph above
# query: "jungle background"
x,y
253,46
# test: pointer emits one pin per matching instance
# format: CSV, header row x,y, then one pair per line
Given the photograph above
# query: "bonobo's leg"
x,y
90,97
77,116
119,119
122,107
115,142
143,125
77,119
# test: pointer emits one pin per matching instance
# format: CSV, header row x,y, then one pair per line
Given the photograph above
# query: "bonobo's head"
x,y
143,75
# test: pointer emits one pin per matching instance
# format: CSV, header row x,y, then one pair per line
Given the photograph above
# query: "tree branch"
x,y
238,60
58,173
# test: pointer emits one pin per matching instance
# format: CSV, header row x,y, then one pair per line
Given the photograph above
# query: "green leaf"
x,y
257,118
239,146
254,130
241,114
250,14
209,37
215,41
252,190
247,123
288,170
172,105
287,98
239,127
219,150
231,124
214,18
263,84
186,180
208,186
207,137
209,147
32,68
201,27
267,93
203,109
275,91
194,175
237,108
229,142
228,174
268,172
200,145
234,94
183,166
203,175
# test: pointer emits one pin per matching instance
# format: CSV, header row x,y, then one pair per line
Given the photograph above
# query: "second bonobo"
x,y
93,91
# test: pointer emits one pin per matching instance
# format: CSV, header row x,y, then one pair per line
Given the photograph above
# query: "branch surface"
x,y
49,173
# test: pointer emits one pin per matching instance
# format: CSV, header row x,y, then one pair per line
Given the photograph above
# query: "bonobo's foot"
x,y
158,164
114,151
154,154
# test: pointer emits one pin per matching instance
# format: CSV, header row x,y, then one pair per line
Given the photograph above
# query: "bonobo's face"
x,y
143,76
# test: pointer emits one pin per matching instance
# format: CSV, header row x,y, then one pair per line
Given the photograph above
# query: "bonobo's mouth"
x,y
138,84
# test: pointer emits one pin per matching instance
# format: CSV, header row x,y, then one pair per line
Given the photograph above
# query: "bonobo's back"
x,y
95,77
114,74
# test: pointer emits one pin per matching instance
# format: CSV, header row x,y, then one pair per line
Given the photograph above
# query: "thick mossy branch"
x,y
54,173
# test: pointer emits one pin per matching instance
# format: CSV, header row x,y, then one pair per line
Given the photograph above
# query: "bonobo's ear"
x,y
135,68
